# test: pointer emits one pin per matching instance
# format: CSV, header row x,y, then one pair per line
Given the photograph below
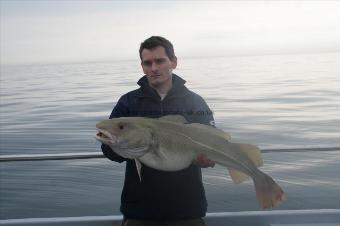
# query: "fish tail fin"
x,y
268,192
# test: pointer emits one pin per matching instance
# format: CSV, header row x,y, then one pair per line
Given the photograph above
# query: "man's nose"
x,y
154,66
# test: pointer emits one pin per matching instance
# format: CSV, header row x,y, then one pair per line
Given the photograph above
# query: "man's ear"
x,y
174,62
141,64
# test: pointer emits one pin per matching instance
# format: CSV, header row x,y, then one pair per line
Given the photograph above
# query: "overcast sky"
x,y
74,31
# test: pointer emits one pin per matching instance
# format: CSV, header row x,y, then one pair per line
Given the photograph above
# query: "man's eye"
x,y
147,63
157,61
160,61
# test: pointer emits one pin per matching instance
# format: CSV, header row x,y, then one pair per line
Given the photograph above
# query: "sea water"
x,y
273,101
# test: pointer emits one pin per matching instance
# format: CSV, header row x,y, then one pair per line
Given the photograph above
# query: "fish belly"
x,y
168,160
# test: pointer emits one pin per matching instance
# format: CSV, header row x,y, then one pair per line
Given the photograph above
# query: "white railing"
x,y
250,218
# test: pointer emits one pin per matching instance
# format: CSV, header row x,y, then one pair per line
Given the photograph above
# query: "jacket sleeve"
x,y
120,110
201,112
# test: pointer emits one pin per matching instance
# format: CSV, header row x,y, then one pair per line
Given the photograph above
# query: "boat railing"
x,y
322,217
91,155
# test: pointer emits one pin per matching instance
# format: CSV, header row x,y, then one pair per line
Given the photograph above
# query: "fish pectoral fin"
x,y
237,176
139,169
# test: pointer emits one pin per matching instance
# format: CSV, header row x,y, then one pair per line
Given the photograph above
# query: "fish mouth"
x,y
103,135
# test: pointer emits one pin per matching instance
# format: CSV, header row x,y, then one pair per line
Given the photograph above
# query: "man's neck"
x,y
162,90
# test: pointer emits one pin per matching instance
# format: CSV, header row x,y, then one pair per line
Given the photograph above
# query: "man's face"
x,y
157,66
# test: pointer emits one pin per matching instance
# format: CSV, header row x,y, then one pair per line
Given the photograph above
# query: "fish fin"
x,y
211,130
237,176
268,192
174,118
139,169
226,136
136,151
251,151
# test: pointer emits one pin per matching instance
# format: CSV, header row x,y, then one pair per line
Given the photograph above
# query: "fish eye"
x,y
121,126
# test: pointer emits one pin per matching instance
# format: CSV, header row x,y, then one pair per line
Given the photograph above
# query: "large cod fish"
x,y
170,143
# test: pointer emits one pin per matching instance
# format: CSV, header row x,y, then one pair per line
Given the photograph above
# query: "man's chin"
x,y
155,79
155,83
158,80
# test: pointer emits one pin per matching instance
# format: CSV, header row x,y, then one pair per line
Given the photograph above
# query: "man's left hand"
x,y
203,162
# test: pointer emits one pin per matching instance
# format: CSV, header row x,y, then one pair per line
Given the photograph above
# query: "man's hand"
x,y
203,162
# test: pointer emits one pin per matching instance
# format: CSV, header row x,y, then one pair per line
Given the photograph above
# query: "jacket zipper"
x,y
161,105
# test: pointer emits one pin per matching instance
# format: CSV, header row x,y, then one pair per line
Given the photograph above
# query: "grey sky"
x,y
73,31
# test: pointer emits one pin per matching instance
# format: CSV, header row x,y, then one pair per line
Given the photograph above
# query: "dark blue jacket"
x,y
162,195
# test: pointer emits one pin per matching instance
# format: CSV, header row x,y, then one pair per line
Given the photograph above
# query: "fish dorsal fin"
x,y
174,118
252,152
237,176
211,130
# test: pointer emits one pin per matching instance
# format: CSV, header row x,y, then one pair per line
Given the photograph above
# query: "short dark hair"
x,y
156,41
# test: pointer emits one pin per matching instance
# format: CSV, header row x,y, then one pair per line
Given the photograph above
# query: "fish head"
x,y
128,137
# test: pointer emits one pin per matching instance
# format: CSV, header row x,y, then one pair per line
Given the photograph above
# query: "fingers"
x,y
203,161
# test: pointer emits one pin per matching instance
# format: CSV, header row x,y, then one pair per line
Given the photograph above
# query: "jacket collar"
x,y
176,90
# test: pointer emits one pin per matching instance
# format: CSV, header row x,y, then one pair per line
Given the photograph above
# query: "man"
x,y
162,198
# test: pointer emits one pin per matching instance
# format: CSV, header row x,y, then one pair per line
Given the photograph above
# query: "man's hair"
x,y
157,41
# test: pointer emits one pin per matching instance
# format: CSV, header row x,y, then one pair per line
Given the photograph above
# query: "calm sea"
x,y
279,101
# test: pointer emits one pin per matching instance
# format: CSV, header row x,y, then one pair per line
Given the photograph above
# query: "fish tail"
x,y
268,192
